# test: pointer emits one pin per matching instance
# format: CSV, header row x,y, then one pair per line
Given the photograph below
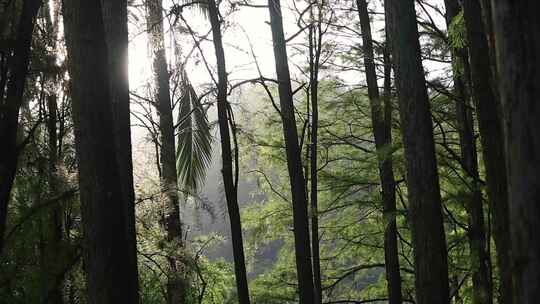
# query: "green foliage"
x,y
457,32
215,282
350,209
350,202
27,261
457,37
194,150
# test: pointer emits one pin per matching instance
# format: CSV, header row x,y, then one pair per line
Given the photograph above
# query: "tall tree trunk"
x,y
294,161
517,40
487,107
99,106
54,221
230,180
176,287
427,229
115,22
10,106
383,139
387,173
490,36
315,47
481,278
54,275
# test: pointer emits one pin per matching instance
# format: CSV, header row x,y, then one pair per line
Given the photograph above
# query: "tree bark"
x,y
383,140
427,229
294,161
115,22
481,278
100,105
176,287
517,40
54,221
315,45
230,181
10,106
490,36
54,271
491,133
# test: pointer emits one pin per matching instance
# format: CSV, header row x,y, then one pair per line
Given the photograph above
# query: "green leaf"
x,y
194,151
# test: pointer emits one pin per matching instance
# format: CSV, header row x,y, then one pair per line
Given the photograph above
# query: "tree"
x,y
11,104
491,132
54,277
517,41
383,140
294,161
176,287
315,48
230,180
482,289
425,216
54,274
97,58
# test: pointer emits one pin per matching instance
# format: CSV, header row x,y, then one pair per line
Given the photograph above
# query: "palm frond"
x,y
200,5
194,151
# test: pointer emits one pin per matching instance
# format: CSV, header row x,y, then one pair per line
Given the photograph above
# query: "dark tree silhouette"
x,y
491,132
96,35
480,261
383,140
176,287
230,179
517,40
427,230
11,104
294,161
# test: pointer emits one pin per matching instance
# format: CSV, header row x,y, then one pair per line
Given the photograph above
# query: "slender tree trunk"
x,y
4,55
54,221
230,181
294,161
315,41
10,106
383,140
54,271
481,278
99,106
429,244
517,40
176,287
491,133
490,36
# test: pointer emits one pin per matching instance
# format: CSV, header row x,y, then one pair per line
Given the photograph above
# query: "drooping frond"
x,y
200,5
194,151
